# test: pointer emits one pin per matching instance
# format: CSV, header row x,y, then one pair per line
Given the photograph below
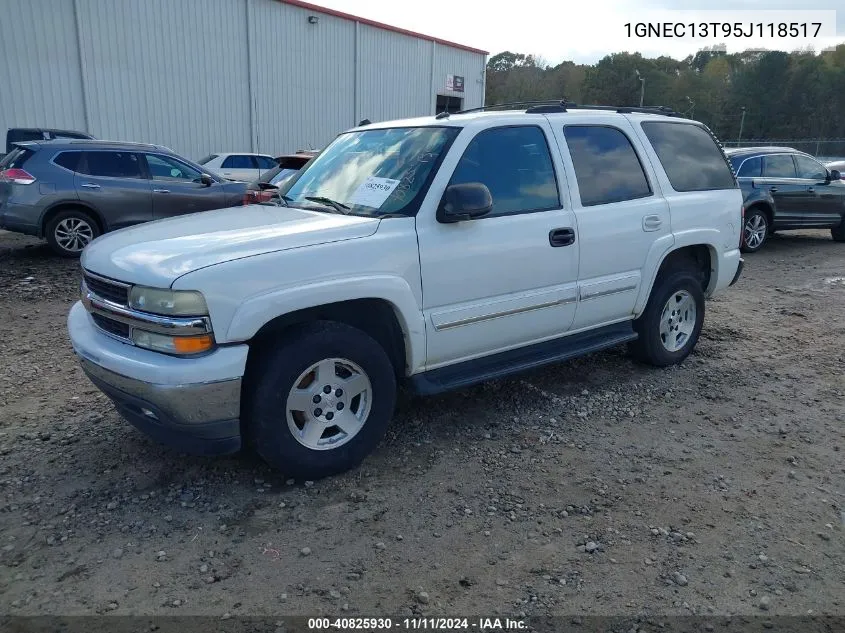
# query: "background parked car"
x,y
287,167
69,192
242,167
23,134
786,189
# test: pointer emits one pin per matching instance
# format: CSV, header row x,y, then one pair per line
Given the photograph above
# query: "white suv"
x,y
435,252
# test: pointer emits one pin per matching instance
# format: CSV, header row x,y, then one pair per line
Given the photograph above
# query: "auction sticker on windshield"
x,y
373,192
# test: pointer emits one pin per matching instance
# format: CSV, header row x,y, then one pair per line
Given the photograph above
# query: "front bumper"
x,y
192,404
738,271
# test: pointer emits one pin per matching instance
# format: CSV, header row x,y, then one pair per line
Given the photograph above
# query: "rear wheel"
x,y
70,231
755,230
671,323
321,400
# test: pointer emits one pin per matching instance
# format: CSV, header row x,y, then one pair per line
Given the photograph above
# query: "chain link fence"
x,y
824,149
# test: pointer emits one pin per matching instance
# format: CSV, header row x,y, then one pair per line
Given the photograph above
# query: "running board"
x,y
515,361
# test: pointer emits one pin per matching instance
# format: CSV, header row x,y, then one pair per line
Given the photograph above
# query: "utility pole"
x,y
741,125
691,107
642,86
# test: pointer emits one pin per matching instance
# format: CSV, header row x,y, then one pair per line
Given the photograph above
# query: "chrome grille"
x,y
113,291
116,328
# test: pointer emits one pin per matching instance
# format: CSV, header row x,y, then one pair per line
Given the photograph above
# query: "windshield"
x,y
373,172
284,174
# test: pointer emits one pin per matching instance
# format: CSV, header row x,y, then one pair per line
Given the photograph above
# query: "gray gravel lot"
x,y
598,486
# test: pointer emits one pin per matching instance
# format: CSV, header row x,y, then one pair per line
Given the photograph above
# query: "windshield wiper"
x,y
276,199
337,206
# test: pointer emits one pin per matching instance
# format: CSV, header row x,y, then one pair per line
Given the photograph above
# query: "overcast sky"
x,y
578,30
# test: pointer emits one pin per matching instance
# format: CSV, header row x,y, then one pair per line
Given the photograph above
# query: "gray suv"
x,y
71,191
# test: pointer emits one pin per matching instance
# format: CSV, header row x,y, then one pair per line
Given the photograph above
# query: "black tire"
x,y
649,347
838,232
756,221
57,232
275,374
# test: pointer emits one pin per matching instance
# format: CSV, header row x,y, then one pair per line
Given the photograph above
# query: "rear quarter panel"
x,y
712,218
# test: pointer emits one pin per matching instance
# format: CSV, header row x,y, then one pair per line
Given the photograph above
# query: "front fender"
x,y
256,311
669,243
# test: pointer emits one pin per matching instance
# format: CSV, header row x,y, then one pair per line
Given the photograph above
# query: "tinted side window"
x,y
265,163
690,156
515,164
111,164
238,162
809,169
68,160
606,166
167,168
779,166
751,168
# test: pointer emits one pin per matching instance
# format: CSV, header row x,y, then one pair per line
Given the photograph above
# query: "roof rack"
x,y
562,105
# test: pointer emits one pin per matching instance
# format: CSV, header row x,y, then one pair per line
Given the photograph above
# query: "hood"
x,y
157,253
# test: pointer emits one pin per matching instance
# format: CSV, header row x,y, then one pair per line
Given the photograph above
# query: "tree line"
x,y
784,95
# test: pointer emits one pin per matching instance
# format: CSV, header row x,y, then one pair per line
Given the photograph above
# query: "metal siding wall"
x,y
177,72
394,74
167,72
39,67
304,76
469,65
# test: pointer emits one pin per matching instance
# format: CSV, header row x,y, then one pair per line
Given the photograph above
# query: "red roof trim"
x,y
380,25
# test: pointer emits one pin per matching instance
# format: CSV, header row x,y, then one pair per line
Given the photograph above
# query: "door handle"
x,y
161,190
90,185
773,189
652,223
561,237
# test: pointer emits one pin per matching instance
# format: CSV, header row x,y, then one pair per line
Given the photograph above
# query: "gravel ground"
x,y
596,487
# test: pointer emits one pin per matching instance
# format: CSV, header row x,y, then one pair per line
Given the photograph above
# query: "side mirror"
x,y
835,174
463,202
206,180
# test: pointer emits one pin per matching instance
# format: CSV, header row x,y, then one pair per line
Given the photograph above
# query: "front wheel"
x,y
321,400
754,231
671,323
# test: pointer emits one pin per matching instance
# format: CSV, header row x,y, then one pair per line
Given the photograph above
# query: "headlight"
x,y
167,302
182,345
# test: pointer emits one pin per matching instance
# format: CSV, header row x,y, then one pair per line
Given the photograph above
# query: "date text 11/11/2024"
x,y
416,624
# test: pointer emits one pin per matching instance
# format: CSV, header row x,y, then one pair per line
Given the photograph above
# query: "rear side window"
x,y
16,158
238,162
111,164
750,167
68,160
690,156
606,166
779,166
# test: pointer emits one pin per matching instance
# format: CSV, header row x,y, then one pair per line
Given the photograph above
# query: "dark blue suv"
x,y
786,189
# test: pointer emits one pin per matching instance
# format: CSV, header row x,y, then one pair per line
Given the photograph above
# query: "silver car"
x,y
71,191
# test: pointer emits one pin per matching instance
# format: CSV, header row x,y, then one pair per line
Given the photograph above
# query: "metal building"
x,y
202,76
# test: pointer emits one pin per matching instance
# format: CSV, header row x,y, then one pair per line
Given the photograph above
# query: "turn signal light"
x,y
193,344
